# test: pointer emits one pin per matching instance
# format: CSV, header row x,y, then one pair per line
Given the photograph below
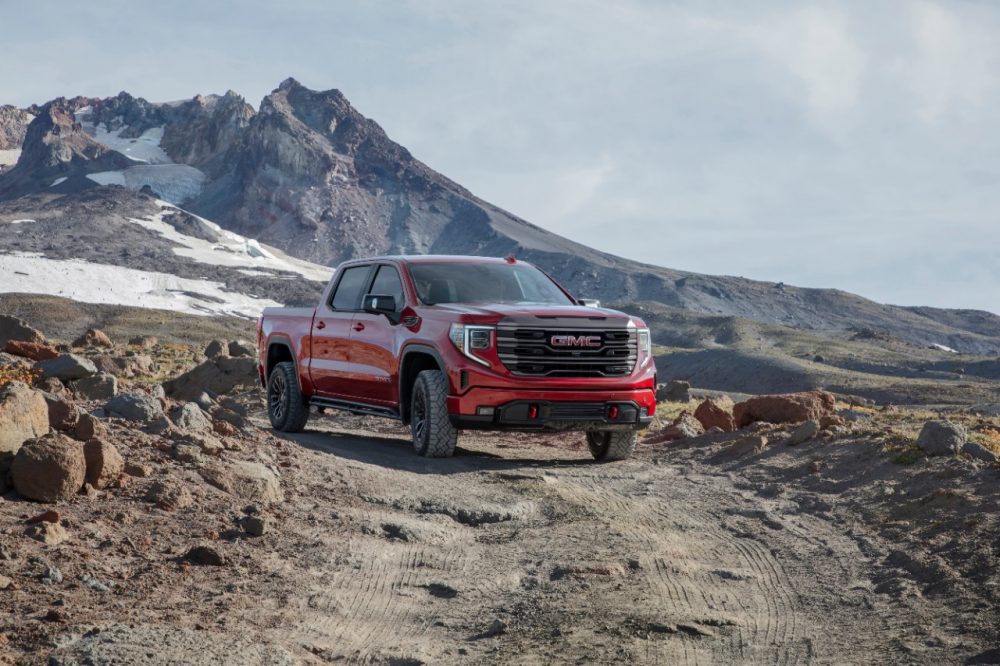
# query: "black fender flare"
x,y
415,348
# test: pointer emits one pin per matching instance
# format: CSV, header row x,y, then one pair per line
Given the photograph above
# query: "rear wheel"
x,y
286,406
433,434
609,445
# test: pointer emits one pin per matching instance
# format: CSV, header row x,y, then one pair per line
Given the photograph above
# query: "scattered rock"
x,y
784,408
716,413
247,480
144,341
215,376
12,328
241,348
190,418
36,351
204,442
67,367
50,516
5,582
684,426
497,628
980,452
225,428
49,469
205,556
24,415
803,433
188,453
89,427
204,401
675,390
51,534
827,422
93,338
63,414
255,525
104,463
134,407
938,438
102,386
141,470
853,415
169,496
216,348
753,444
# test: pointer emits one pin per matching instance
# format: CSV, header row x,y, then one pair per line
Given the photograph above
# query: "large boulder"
x,y
104,463
241,348
67,367
939,438
49,469
716,413
93,338
63,414
247,480
214,376
101,386
784,408
216,348
675,390
134,407
24,415
12,328
36,351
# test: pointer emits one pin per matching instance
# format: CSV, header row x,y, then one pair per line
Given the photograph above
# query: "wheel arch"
x,y
415,359
279,350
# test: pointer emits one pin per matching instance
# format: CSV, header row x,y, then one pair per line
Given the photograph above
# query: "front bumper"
x,y
489,409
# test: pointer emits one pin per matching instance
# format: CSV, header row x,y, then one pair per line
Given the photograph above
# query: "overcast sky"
x,y
848,145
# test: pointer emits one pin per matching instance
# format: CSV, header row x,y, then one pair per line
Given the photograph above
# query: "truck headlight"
x,y
473,339
645,346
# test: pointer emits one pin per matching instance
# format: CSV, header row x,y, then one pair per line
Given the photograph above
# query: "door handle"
x,y
358,326
321,324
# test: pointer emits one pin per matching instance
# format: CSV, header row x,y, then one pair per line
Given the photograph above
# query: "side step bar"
x,y
354,407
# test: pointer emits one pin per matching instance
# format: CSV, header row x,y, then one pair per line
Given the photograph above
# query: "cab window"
x,y
347,295
387,283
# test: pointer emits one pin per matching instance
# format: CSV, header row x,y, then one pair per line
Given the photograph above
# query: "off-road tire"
x,y
608,445
286,406
433,434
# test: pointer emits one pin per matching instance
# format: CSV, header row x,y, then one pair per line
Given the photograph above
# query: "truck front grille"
x,y
530,352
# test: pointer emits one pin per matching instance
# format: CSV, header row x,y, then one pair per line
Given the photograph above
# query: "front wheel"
x,y
608,445
286,407
433,434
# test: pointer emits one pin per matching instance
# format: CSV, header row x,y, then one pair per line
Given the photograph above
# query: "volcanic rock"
x,y
938,438
784,408
63,414
93,338
216,376
101,386
67,367
104,463
36,351
716,413
247,480
134,407
12,328
49,469
24,415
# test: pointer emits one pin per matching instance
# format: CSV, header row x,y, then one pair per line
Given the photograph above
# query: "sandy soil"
x,y
522,550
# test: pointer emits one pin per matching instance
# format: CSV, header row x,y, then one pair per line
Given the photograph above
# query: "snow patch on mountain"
x,y
102,283
231,249
174,182
9,157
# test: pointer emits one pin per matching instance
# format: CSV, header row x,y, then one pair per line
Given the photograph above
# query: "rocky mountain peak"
x,y
13,126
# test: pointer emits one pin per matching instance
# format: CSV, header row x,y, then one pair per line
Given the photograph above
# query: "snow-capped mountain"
x,y
311,176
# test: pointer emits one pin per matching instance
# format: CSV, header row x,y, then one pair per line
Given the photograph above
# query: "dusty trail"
x,y
656,560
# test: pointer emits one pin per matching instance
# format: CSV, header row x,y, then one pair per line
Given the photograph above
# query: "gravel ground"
x,y
517,549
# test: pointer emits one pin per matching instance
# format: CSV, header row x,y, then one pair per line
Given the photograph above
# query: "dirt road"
x,y
663,559
517,550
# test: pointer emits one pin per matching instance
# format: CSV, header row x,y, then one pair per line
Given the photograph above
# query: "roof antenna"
x,y
510,259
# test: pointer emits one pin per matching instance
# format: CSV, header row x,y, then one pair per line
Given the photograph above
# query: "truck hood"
x,y
540,314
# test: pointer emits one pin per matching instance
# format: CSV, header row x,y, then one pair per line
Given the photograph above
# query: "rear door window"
x,y
348,291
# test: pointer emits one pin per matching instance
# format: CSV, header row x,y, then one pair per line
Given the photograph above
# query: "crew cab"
x,y
448,343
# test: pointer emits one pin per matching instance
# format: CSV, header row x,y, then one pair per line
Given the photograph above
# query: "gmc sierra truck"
x,y
447,343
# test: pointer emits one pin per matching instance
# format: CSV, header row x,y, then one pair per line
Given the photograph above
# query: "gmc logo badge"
x,y
575,340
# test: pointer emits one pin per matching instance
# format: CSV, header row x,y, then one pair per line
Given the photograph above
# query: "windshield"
x,y
485,283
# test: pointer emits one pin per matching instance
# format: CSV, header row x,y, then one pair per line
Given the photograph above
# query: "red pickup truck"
x,y
446,343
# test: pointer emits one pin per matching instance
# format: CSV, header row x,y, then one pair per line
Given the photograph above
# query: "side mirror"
x,y
380,304
589,302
